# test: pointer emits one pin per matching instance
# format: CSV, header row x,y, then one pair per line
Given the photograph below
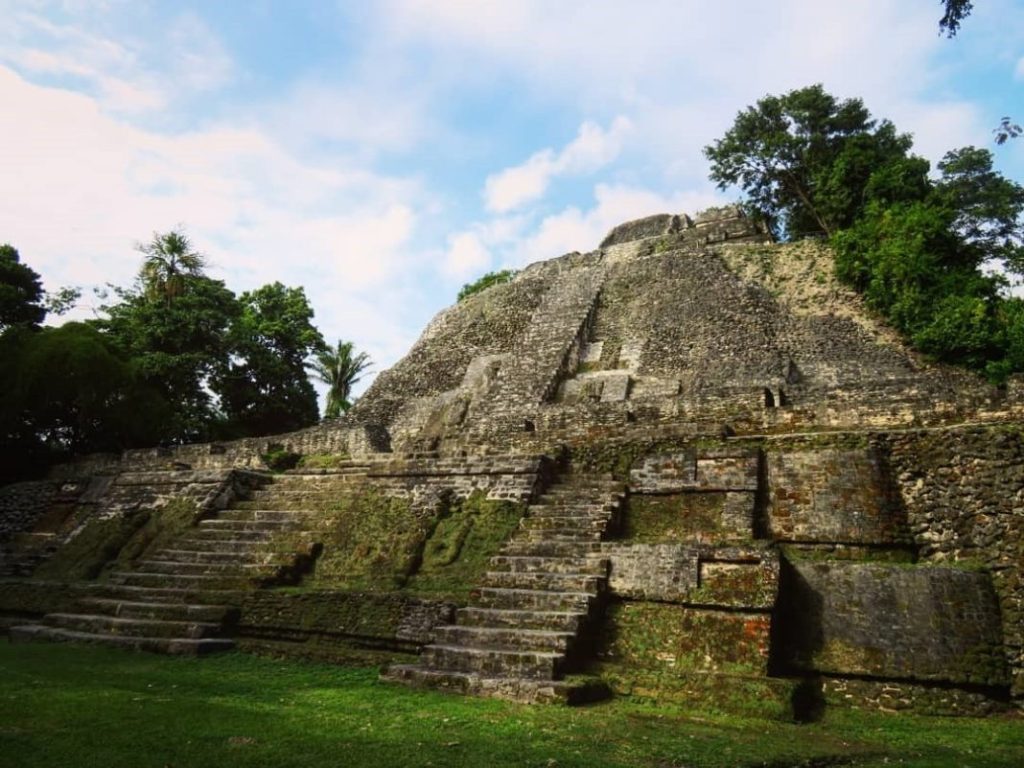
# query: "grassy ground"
x,y
84,707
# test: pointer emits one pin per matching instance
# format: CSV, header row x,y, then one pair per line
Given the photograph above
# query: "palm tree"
x,y
169,259
339,369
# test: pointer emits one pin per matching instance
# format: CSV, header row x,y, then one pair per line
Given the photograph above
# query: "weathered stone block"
x,y
891,621
833,495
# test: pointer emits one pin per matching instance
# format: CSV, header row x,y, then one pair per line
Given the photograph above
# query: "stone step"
x,y
115,625
223,534
509,688
340,473
239,556
534,599
585,492
546,507
560,534
494,662
144,594
229,569
321,491
282,515
175,646
517,638
548,582
304,504
597,566
550,548
223,544
238,526
552,621
554,522
170,611
179,581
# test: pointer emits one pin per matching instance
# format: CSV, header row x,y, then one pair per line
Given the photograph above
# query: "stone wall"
x,y
338,625
834,495
507,478
893,622
963,490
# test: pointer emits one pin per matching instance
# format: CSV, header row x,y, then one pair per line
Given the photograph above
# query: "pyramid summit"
x,y
685,462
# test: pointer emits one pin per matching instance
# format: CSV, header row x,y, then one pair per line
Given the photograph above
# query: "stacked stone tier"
x,y
529,622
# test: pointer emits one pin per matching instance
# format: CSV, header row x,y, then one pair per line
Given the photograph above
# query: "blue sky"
x,y
381,154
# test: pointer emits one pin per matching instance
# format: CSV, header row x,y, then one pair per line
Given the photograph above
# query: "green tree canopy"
x,y
21,292
265,388
954,12
339,367
169,260
804,158
66,390
178,346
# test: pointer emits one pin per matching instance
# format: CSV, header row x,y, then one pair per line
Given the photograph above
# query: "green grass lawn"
x,y
94,707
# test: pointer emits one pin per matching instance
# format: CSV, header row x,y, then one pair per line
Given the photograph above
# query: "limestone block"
x,y
615,389
833,495
893,621
664,472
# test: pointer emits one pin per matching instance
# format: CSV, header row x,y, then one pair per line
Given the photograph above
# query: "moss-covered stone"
x,y
106,544
372,541
456,554
673,517
674,639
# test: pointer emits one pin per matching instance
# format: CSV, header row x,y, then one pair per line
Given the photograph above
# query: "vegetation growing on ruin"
x,y
244,711
375,542
934,256
110,544
457,553
491,278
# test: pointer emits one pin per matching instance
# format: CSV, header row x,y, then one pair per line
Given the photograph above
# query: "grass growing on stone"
x,y
95,707
458,551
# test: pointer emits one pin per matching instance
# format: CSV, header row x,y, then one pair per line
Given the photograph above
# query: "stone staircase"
x,y
184,598
528,624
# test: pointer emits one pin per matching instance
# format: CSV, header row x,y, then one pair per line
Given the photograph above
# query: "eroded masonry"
x,y
684,465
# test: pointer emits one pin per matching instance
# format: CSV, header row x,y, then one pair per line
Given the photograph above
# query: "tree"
x,y
804,159
955,12
1007,129
923,260
169,259
339,369
177,346
21,291
66,390
265,388
988,208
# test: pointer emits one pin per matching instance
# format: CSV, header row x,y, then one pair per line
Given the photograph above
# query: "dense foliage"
x,y
933,255
21,292
340,368
804,159
176,357
491,278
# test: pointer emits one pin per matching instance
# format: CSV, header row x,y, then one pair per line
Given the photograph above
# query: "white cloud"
x,y
124,74
576,230
369,116
199,61
592,149
1019,71
466,256
80,187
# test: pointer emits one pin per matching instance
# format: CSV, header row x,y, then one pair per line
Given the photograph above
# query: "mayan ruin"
x,y
685,463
